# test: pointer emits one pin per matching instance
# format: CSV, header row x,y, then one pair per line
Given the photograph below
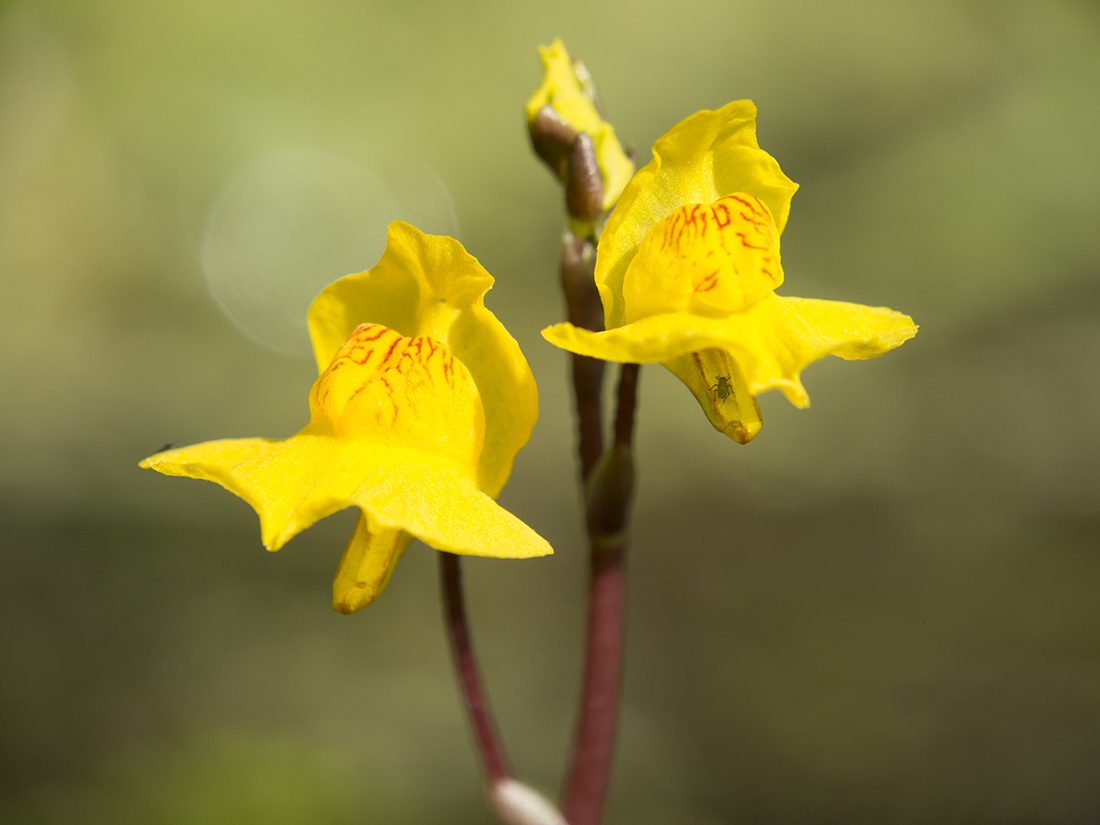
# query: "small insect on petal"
x,y
715,380
722,389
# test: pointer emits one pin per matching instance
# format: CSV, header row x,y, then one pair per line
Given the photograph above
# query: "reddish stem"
x,y
609,495
594,745
583,305
477,706
628,399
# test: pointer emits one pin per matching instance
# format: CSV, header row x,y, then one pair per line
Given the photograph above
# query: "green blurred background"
x,y
884,609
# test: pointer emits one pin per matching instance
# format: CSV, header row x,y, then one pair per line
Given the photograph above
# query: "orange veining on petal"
x,y
707,259
404,392
367,353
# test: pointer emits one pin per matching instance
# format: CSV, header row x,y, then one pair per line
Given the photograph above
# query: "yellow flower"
x,y
415,419
686,269
570,97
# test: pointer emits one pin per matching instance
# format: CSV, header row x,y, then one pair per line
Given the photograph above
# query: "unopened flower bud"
x,y
552,138
584,186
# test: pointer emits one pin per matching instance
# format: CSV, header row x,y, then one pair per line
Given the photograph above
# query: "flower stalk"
x,y
493,759
578,258
608,479
570,133
610,490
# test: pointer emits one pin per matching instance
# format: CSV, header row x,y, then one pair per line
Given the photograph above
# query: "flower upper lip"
x,y
707,156
430,285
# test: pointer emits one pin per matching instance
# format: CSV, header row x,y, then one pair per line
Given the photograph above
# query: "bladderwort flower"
x,y
422,403
687,266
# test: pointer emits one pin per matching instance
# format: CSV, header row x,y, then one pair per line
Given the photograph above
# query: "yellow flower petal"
x,y
770,343
289,483
715,379
403,392
563,90
430,285
396,430
706,259
708,156
293,483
